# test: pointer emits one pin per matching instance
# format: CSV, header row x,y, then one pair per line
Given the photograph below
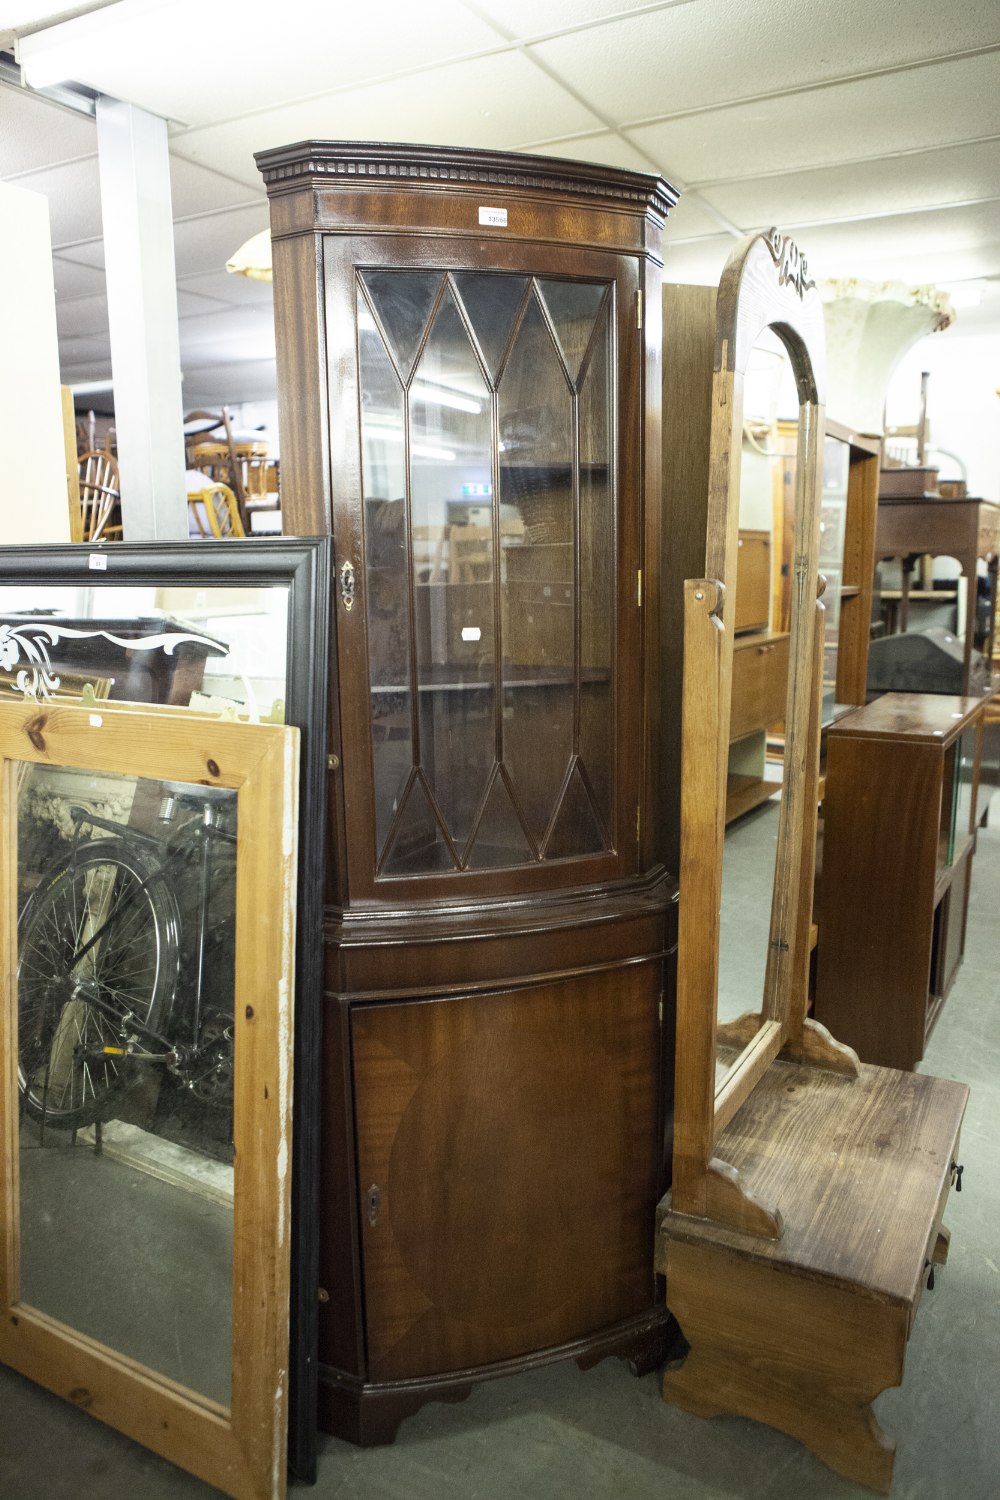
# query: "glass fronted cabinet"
x,y
469,388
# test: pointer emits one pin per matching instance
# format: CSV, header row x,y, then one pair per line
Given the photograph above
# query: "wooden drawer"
x,y
936,1252
753,581
760,680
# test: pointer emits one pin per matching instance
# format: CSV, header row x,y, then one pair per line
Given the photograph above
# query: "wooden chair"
x,y
100,498
222,458
213,512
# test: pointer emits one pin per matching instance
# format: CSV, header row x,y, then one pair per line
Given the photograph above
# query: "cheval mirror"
x,y
808,1188
764,286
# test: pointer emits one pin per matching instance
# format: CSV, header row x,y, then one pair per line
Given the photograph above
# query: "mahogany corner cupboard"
x,y
469,394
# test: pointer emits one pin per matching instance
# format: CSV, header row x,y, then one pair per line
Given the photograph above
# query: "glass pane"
x,y
966,780
572,306
576,829
383,478
207,648
758,697
418,843
500,840
491,303
597,567
450,456
125,980
403,302
832,539
538,536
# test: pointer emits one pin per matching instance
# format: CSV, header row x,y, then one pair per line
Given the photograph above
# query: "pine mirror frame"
x,y
240,1449
302,566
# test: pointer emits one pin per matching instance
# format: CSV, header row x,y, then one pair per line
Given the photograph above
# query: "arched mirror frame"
x,y
765,285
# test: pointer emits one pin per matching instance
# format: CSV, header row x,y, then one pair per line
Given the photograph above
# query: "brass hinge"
x,y
659,1010
638,309
638,817
638,588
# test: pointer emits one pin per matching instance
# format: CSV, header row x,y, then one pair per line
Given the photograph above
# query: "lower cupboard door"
x,y
507,1168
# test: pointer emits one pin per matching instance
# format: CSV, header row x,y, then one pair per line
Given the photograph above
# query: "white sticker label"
x,y
471,632
98,562
496,216
96,721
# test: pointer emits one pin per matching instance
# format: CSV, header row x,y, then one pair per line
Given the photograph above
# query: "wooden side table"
x,y
964,529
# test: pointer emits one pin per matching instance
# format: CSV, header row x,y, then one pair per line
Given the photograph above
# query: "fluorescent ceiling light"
x,y
445,398
60,53
91,387
387,434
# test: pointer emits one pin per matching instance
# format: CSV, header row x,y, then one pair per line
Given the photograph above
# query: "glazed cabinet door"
x,y
507,1168
487,532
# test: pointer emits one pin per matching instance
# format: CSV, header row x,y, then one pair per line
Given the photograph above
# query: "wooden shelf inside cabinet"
x,y
899,819
470,404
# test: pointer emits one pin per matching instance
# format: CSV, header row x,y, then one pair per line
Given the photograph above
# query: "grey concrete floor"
x,y
602,1435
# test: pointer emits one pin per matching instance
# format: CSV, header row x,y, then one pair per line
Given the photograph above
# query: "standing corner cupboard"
x,y
469,386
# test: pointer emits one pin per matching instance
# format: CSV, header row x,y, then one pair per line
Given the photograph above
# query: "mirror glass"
x,y
220,650
758,697
126,892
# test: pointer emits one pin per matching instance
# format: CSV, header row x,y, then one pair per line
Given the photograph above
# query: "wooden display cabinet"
x,y
848,514
899,837
469,392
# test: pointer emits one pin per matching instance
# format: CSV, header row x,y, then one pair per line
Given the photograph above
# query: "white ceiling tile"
x,y
607,149
698,262
75,280
489,102
35,133
172,60
894,247
720,50
82,315
246,380
196,190
954,175
73,372
206,244
238,333
523,18
88,351
192,304
223,287
202,244
74,193
87,253
690,219
923,107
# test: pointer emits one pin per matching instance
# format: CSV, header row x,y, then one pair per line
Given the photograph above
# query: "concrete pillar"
x,y
34,503
142,312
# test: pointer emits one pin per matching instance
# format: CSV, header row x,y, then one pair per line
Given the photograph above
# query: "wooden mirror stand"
x,y
764,286
808,1189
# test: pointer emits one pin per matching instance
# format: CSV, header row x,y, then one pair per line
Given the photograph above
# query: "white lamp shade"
x,y
869,327
253,258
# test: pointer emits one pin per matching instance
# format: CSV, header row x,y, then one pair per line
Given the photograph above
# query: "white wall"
x,y
33,499
962,404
